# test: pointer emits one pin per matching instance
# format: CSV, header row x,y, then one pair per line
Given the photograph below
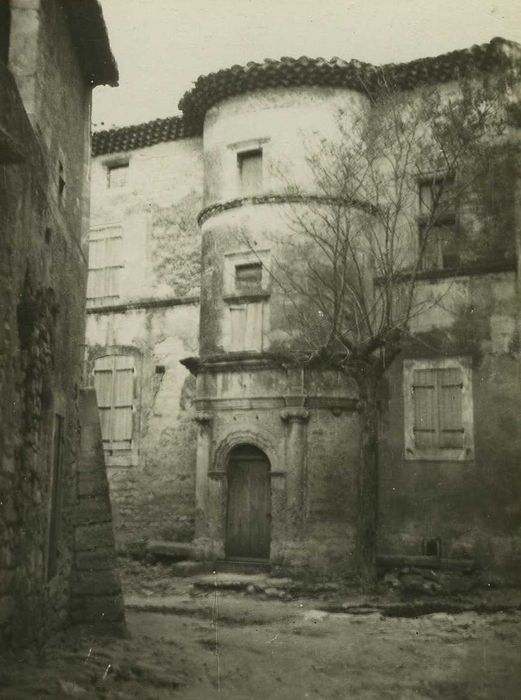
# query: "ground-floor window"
x,y
438,409
114,377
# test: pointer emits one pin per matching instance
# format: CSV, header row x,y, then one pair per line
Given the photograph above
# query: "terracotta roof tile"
x,y
295,72
211,88
128,138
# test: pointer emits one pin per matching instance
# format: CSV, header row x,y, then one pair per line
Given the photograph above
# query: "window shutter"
x,y
253,331
250,164
114,383
425,408
450,383
238,327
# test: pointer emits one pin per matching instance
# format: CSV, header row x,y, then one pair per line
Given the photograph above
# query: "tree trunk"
x,y
367,480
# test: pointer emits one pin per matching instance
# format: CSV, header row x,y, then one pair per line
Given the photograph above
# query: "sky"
x,y
162,46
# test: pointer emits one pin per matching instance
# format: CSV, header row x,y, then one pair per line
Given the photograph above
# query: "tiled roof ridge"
x,y
336,72
134,136
298,72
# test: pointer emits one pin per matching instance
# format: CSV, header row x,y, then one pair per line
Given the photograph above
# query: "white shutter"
x,y
425,408
114,383
450,383
253,330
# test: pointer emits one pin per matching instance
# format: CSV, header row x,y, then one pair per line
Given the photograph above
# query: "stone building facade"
x,y
51,56
278,444
143,318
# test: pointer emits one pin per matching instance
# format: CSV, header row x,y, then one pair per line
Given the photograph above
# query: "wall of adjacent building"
x,y
155,320
45,107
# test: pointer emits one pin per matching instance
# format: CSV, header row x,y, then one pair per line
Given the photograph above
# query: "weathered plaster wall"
x,y
472,506
157,211
153,485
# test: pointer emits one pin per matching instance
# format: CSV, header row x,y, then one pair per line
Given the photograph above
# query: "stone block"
x,y
170,550
7,608
96,560
92,511
87,583
6,577
92,483
98,609
91,537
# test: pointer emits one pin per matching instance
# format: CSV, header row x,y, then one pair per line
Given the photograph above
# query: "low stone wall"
x,y
96,589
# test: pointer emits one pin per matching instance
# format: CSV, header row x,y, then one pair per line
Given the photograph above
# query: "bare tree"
x,y
391,198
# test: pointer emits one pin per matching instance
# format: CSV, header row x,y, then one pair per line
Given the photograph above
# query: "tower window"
x,y
250,171
248,277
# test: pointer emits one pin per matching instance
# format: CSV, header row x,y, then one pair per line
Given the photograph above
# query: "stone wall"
x,y
155,318
42,298
96,590
471,506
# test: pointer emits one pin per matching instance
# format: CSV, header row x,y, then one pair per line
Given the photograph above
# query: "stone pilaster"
x,y
296,419
203,466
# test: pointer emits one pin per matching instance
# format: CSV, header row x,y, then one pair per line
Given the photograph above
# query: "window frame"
x,y
444,221
109,443
96,234
242,157
443,454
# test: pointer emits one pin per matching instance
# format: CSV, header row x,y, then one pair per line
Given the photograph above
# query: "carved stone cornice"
x,y
294,415
204,419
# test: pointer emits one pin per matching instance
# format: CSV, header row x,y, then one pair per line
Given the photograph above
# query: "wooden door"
x,y
249,505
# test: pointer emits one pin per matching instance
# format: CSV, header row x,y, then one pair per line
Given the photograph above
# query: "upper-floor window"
x,y
250,171
248,277
5,30
438,409
105,264
437,223
246,326
117,175
114,384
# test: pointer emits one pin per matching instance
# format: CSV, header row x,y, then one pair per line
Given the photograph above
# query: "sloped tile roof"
x,y
291,72
295,72
129,138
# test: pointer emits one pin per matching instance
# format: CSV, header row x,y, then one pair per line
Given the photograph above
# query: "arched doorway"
x,y
248,513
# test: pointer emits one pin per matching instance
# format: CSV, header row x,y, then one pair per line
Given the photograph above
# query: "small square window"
x,y
117,175
248,277
250,171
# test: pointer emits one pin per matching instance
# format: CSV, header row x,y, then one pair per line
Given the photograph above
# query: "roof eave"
x,y
90,38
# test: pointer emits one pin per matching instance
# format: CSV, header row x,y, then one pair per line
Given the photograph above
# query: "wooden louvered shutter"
x,y
114,384
123,401
450,390
426,432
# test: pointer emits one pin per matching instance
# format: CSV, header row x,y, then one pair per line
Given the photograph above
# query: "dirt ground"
x,y
231,645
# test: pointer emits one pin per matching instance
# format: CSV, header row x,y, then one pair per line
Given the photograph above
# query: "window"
x,y
56,488
248,277
250,171
117,175
105,266
246,321
437,223
438,410
114,384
